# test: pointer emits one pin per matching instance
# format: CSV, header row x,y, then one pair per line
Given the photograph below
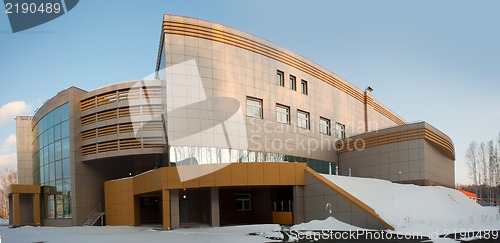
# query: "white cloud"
x,y
8,161
8,144
10,141
10,110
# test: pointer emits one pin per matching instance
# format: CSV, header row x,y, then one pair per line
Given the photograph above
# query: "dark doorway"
x,y
252,205
194,207
151,210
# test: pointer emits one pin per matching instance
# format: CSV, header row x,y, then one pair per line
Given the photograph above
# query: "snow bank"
x,y
408,207
330,223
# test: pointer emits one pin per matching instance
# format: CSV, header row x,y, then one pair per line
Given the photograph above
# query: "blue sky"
x,y
437,61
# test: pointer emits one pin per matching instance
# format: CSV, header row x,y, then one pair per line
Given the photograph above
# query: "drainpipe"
x,y
368,90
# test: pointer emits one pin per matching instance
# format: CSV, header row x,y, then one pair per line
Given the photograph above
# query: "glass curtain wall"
x,y
51,160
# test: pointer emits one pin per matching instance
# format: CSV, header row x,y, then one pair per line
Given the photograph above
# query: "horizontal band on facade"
x,y
120,95
383,138
209,33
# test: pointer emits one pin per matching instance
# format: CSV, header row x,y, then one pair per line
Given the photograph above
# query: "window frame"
x,y
287,109
303,83
292,83
339,125
280,78
308,119
243,197
261,107
328,126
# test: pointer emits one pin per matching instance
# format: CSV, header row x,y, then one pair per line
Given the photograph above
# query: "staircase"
x,y
95,215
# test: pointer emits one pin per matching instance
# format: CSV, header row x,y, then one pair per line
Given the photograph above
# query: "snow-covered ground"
x,y
119,234
431,210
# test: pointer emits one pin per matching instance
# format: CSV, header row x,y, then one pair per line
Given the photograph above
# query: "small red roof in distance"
x,y
469,194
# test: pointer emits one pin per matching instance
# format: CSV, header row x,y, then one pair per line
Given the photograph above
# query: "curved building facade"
x,y
230,129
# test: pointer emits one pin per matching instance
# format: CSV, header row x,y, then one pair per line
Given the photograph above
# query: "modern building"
x,y
231,129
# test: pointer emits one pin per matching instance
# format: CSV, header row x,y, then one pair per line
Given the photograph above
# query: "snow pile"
x,y
330,223
411,206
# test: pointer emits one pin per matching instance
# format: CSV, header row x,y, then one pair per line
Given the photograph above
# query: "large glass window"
x,y
283,114
303,119
324,126
254,107
339,130
52,159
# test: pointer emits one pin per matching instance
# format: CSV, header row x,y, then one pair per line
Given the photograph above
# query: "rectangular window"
x,y
339,131
303,119
324,126
293,82
282,114
243,202
280,78
254,107
304,87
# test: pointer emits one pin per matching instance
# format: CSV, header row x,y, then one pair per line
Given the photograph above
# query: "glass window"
x,y
65,129
304,87
57,150
66,168
52,171
293,82
324,126
51,135
51,153
243,202
57,132
56,116
65,148
254,107
59,200
280,78
283,114
303,119
59,169
51,209
41,123
46,174
50,119
46,138
339,131
42,175
65,112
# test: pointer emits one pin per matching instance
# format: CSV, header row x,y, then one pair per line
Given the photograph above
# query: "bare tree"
x,y
472,163
7,178
483,164
491,168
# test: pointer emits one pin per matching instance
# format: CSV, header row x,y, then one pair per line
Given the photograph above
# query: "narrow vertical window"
x,y
293,82
339,131
304,87
280,78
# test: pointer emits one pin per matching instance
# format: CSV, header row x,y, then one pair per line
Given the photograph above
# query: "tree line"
x,y
483,164
7,178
